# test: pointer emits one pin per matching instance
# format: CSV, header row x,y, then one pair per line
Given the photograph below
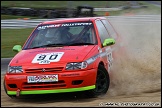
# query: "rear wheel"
x,y
102,83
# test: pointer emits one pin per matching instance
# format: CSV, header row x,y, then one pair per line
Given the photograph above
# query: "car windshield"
x,y
62,34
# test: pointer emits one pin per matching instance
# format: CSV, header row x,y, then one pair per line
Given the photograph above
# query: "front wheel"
x,y
102,83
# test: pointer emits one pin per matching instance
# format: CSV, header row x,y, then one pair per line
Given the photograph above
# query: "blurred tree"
x,y
107,4
69,9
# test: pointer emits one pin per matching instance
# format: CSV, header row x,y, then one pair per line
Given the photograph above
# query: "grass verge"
x,y
11,37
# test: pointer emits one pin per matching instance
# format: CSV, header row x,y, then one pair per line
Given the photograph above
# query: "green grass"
x,y
11,37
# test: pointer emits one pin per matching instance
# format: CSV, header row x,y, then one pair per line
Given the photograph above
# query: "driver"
x,y
53,36
57,35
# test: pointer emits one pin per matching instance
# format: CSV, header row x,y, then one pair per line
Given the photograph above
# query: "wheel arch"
x,y
101,63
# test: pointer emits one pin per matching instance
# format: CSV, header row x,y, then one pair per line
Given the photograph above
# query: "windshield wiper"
x,y
75,44
53,45
60,45
48,45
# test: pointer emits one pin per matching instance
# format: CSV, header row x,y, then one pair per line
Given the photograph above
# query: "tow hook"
x,y
18,92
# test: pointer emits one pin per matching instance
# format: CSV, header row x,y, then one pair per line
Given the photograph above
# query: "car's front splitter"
x,y
51,91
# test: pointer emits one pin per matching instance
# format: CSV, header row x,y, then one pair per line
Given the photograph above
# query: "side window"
x,y
102,31
110,29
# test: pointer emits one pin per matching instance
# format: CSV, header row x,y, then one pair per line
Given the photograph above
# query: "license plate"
x,y
42,78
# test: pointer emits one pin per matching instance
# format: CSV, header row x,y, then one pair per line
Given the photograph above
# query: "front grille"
x,y
60,83
40,70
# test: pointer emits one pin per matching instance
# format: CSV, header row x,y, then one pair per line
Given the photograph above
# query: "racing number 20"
x,y
42,57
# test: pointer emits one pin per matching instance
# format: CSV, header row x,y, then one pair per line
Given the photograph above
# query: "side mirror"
x,y
17,48
108,42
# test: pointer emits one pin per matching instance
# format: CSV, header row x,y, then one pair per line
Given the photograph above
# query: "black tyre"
x,y
102,83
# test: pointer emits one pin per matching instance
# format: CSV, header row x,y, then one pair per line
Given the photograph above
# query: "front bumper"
x,y
67,82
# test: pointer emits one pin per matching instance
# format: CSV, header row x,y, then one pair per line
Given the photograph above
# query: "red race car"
x,y
66,55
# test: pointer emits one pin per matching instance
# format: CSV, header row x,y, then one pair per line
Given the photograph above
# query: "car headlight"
x,y
15,69
76,65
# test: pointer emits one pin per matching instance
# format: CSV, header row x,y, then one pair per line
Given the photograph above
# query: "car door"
x,y
106,52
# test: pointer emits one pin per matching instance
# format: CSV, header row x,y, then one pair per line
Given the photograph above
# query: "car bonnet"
x,y
51,55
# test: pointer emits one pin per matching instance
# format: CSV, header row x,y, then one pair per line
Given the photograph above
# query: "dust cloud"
x,y
139,69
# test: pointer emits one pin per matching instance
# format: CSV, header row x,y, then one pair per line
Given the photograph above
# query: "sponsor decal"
x,y
75,24
62,25
107,53
42,78
48,26
44,62
92,59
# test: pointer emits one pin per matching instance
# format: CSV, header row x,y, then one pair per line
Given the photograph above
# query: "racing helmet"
x,y
52,36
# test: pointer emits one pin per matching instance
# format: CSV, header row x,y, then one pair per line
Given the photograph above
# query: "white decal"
x,y
62,25
46,58
109,58
76,24
42,78
49,26
44,62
